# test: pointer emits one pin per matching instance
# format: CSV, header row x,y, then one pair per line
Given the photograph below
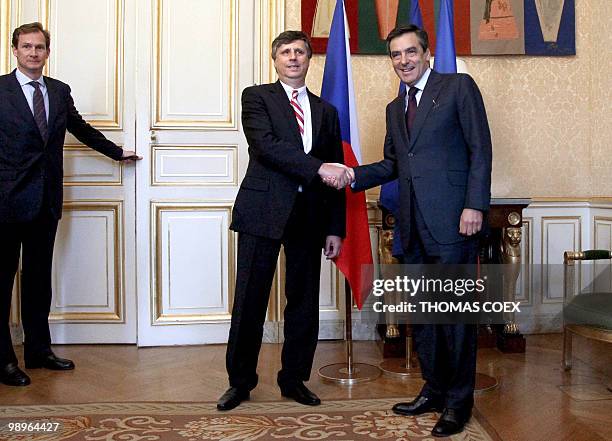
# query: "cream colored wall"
x,y
550,116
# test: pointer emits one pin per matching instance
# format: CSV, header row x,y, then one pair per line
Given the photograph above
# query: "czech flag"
x,y
355,259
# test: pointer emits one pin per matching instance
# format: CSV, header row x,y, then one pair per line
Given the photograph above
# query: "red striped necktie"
x,y
297,109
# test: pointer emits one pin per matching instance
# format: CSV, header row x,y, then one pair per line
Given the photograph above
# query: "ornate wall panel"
x,y
192,262
88,263
87,54
329,300
27,11
272,13
195,64
191,165
602,232
602,240
84,166
559,234
526,275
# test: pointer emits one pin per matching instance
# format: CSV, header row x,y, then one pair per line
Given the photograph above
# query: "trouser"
x,y
257,257
447,353
35,239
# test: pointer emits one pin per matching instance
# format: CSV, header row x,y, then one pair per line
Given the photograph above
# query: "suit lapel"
x,y
280,96
53,104
18,100
432,89
316,116
399,110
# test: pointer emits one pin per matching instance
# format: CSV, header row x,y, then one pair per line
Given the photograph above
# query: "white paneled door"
x,y
95,257
144,253
94,273
189,78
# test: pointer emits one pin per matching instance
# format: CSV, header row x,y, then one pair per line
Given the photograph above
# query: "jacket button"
x,y
410,155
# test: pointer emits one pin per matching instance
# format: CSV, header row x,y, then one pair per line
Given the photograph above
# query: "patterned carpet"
x,y
345,420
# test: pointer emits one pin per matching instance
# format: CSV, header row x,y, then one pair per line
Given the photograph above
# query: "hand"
x,y
333,245
351,173
470,222
130,156
336,175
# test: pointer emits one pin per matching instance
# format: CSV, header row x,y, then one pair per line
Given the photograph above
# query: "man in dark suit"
x,y
439,146
294,137
35,112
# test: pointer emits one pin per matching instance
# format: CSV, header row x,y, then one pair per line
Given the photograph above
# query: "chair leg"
x,y
567,349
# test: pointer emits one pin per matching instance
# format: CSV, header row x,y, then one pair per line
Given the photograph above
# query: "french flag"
x,y
355,259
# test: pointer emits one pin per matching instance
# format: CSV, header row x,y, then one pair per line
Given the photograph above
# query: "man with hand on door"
x,y
35,112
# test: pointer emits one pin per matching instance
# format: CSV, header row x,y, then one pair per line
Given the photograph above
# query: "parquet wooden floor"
x,y
536,399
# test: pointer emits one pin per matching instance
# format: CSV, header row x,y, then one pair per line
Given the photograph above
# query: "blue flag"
x,y
415,14
445,60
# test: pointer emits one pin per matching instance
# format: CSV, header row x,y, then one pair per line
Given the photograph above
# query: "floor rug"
x,y
354,420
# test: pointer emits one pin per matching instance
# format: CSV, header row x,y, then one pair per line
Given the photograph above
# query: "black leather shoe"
x,y
418,406
451,422
232,398
301,394
50,361
11,375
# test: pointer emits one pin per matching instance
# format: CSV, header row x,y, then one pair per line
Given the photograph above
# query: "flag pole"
x,y
348,313
349,373
337,89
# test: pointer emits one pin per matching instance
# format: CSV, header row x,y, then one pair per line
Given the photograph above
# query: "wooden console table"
x,y
502,245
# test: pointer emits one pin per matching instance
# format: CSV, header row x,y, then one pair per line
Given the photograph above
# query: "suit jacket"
x,y
446,161
29,167
278,165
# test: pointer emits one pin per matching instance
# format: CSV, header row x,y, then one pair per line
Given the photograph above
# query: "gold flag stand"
x,y
349,373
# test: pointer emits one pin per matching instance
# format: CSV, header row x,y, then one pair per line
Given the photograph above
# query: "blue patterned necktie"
x,y
40,115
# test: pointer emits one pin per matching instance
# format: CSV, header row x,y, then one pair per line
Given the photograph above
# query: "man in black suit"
x,y
35,112
294,137
439,146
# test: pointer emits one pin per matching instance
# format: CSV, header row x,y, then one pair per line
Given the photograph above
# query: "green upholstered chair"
x,y
588,314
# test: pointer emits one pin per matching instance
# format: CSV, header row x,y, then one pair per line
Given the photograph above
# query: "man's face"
x,y
408,58
292,63
31,53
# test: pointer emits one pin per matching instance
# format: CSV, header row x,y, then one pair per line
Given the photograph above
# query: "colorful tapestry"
x,y
482,27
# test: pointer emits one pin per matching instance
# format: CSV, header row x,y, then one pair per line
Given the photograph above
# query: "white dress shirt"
x,y
305,105
419,85
28,90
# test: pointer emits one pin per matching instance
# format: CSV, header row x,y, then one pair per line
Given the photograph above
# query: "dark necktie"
x,y
40,115
412,108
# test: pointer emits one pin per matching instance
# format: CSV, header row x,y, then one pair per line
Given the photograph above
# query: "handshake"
x,y
336,175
